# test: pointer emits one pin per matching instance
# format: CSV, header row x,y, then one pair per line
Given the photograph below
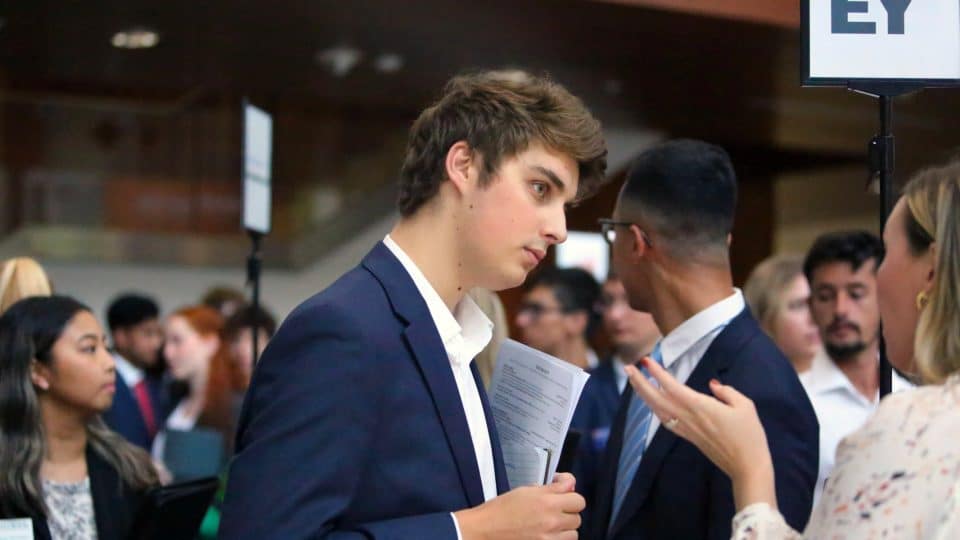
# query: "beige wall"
x,y
812,203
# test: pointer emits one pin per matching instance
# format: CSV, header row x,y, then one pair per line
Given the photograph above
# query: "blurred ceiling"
x,y
722,70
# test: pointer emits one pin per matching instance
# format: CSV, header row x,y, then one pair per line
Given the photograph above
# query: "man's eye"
x,y
540,189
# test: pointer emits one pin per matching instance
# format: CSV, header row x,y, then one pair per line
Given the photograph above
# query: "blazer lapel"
x,y
606,480
428,352
109,504
713,364
503,485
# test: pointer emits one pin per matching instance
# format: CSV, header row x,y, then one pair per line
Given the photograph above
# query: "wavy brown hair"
x,y
499,114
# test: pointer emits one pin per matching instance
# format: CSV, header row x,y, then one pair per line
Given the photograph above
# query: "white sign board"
x,y
585,250
881,41
257,155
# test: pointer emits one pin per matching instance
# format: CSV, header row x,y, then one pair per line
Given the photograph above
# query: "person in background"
x,y
239,335
897,476
22,277
63,468
778,294
633,335
844,382
556,314
142,402
225,299
198,355
490,304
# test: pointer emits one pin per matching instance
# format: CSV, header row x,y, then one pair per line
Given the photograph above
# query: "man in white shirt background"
x,y
843,382
141,403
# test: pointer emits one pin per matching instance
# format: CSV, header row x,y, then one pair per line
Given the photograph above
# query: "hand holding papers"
x,y
533,396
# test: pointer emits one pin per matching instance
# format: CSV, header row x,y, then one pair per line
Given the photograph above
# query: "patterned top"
x,y
70,510
896,477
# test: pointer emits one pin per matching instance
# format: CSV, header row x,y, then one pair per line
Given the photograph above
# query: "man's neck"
x,y
575,352
429,241
680,292
630,354
861,370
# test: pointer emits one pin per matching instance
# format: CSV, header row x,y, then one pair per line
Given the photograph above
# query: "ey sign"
x,y
882,40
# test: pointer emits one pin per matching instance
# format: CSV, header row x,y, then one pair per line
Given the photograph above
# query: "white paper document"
x,y
533,396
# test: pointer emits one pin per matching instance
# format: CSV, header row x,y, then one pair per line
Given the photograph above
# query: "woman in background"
x,y
62,467
779,297
197,355
22,277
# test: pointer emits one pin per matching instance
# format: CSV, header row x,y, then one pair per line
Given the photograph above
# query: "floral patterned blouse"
x,y
70,510
896,477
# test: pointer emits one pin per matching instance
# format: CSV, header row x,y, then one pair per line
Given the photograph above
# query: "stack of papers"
x,y
533,396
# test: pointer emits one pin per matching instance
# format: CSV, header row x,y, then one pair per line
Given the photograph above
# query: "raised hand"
x,y
726,428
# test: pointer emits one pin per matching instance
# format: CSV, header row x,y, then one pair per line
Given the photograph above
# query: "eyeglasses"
x,y
534,310
608,228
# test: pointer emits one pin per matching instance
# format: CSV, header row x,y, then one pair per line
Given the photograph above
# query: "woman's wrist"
x,y
755,484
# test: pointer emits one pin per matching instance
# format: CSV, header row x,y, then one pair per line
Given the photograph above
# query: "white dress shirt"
x,y
131,374
464,333
841,409
683,348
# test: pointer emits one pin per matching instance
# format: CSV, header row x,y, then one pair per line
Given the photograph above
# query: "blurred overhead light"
x,y
388,63
135,38
339,59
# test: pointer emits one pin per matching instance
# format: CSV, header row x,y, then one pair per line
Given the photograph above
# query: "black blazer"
x,y
677,492
115,505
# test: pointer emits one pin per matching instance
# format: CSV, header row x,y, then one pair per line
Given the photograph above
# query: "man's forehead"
x,y
842,273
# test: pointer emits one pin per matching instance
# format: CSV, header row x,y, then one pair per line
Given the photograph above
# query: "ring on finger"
x,y
672,423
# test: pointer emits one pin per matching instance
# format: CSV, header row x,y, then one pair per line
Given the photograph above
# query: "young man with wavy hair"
x,y
365,417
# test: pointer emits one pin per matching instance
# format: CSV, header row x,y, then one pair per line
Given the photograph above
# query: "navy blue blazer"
x,y
353,425
677,492
124,414
593,418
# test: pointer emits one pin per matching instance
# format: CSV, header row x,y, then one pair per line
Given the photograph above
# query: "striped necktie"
x,y
635,430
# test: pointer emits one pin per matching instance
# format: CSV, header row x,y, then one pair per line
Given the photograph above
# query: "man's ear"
x,y
461,166
638,243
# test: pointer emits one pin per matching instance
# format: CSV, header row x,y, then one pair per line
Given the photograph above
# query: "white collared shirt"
x,y
683,348
464,333
131,374
841,409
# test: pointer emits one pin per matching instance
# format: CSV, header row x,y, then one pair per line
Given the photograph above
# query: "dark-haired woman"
x,y
62,467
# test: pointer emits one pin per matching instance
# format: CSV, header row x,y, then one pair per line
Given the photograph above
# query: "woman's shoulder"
x,y
921,404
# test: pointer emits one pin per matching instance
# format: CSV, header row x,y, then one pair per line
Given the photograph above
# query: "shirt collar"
x,y
131,374
824,377
464,332
677,343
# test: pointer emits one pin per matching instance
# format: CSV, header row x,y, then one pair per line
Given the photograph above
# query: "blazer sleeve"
x,y
793,438
305,435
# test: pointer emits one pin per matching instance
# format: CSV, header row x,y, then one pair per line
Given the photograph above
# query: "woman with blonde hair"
x,y
778,295
22,277
899,475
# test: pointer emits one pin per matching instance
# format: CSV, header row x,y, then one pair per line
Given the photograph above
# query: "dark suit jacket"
x,y
353,425
115,505
593,418
677,492
124,415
